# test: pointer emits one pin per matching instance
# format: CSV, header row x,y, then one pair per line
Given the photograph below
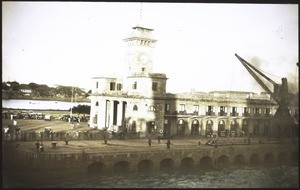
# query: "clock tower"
x,y
139,50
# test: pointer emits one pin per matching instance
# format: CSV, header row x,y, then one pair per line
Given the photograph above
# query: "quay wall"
x,y
152,160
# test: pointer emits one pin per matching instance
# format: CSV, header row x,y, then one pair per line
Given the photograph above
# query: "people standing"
x,y
168,144
158,139
199,143
41,148
105,136
149,142
37,145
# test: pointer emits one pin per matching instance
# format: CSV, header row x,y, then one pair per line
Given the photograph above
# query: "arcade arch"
x,y
181,127
239,159
221,128
205,163
96,169
254,159
195,128
167,164
187,163
121,168
209,128
233,128
145,166
223,161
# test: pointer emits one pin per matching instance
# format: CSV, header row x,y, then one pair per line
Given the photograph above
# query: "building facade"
x,y
140,104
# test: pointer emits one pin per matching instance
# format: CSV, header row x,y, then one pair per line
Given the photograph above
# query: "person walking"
x,y
149,142
168,144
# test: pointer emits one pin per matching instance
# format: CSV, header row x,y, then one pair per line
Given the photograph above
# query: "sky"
x,y
69,43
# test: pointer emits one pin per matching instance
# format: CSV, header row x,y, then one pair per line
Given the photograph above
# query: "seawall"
x,y
124,161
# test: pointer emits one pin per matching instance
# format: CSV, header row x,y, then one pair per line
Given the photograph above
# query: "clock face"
x,y
143,58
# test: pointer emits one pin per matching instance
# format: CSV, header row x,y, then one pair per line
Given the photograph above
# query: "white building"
x,y
139,103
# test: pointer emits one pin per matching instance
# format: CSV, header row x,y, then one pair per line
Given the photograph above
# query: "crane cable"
x,y
268,73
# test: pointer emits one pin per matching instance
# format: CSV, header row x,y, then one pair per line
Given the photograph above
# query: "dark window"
x,y
135,107
97,103
134,86
133,126
154,86
112,86
97,83
257,110
119,86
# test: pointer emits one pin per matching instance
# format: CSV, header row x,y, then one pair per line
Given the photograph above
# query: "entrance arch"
x,y
209,128
245,127
150,127
181,127
233,128
221,128
195,129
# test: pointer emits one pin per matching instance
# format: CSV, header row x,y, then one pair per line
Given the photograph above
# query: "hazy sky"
x,y
68,43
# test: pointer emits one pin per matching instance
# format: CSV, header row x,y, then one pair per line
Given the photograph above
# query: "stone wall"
x,y
136,160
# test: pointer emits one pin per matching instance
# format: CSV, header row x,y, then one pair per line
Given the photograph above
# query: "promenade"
x,y
97,145
128,145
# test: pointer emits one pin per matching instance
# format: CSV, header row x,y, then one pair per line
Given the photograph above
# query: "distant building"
x,y
140,103
25,90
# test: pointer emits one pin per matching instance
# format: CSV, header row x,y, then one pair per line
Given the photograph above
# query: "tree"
x,y
81,109
43,90
5,86
15,86
33,86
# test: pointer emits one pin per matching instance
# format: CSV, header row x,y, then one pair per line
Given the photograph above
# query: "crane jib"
x,y
248,66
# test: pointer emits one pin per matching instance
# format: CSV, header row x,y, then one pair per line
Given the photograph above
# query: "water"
x,y
40,104
264,177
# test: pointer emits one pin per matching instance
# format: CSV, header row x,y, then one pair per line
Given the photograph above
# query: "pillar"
x,y
119,113
111,113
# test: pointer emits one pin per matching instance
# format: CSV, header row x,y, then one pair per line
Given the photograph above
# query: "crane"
x,y
282,124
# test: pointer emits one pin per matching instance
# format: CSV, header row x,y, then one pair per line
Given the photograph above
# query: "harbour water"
x,y
39,104
243,177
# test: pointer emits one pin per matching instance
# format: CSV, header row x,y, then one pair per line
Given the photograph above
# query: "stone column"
x,y
111,113
119,113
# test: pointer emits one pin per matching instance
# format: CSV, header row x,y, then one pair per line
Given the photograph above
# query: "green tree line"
x,y
15,89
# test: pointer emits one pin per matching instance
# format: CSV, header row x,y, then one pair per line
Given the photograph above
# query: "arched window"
x,y
135,108
152,108
97,103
